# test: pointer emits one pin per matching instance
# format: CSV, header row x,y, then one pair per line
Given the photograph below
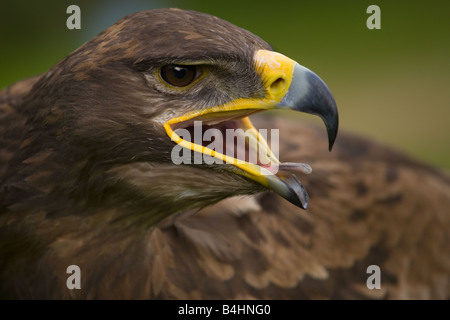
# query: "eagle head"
x,y
114,124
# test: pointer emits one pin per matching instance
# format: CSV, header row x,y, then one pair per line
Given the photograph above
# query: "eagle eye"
x,y
178,75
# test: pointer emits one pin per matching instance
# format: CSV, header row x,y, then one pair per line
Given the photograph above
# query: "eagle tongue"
x,y
294,167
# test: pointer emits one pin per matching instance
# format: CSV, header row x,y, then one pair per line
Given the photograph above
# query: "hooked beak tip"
x,y
308,93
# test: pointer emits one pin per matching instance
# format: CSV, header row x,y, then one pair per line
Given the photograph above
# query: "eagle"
x,y
100,169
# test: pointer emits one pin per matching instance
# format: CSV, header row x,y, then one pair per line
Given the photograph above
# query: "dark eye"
x,y
177,75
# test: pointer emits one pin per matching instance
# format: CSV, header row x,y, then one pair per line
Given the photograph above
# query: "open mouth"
x,y
230,137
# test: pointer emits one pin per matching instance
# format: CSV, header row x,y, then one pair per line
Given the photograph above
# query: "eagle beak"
x,y
308,93
288,85
297,88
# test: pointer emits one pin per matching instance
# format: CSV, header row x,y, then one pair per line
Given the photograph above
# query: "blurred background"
x,y
391,84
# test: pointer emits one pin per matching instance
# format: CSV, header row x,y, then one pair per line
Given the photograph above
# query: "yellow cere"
x,y
276,71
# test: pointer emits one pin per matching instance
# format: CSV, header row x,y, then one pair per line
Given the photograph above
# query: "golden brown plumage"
x,y
369,205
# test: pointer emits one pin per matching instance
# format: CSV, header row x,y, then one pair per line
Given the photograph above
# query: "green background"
x,y
390,84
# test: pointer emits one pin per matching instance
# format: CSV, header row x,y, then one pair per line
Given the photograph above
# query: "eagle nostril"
x,y
277,86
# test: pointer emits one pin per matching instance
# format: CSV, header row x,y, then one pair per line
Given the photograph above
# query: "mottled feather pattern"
x,y
324,252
